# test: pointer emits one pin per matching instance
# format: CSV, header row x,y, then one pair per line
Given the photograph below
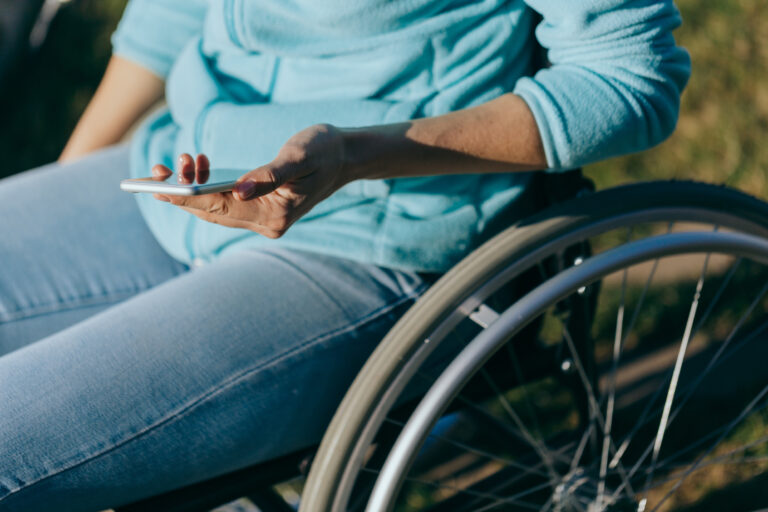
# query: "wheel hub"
x,y
573,494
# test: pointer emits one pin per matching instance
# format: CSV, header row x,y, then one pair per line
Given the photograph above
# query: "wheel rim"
x,y
584,231
569,487
364,410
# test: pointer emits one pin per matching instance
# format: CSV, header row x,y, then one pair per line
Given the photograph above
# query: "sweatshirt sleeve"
x,y
152,33
615,78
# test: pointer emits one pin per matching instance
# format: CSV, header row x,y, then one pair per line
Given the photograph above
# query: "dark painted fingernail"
x,y
246,190
202,162
202,166
186,169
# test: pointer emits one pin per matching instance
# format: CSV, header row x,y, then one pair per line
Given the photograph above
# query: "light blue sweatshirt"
x,y
244,75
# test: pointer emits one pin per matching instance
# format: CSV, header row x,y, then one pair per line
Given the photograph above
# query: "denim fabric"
x,y
124,373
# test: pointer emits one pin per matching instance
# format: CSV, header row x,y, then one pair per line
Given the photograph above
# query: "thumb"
x,y
161,172
258,182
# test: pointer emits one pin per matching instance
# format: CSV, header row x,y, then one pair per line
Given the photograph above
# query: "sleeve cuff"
x,y
527,89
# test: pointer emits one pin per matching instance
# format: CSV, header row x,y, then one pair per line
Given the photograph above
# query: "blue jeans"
x,y
123,373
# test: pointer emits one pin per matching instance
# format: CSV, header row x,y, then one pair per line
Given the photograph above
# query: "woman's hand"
x,y
269,199
498,136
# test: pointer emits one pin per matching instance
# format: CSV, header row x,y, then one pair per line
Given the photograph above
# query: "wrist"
x,y
356,157
370,152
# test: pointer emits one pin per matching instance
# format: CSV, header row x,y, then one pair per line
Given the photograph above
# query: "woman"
x,y
150,347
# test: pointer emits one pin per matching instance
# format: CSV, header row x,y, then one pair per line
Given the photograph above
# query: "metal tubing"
x,y
525,310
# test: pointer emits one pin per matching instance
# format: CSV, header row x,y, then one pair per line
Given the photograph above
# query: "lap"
x,y
72,245
213,369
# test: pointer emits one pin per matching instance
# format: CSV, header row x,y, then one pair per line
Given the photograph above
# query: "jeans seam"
x,y
67,305
191,405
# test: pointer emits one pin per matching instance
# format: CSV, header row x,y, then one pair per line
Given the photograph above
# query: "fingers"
x,y
217,203
223,209
217,218
161,172
203,168
258,182
186,169
189,169
194,169
270,216
233,223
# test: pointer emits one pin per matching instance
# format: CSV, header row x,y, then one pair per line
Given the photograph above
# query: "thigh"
x,y
230,364
72,244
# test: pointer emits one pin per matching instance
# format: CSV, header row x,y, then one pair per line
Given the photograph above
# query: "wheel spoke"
x,y
690,389
718,294
675,376
640,301
512,500
712,362
699,460
582,445
506,501
642,421
537,445
617,345
645,419
548,504
594,408
482,453
523,410
516,478
592,400
507,427
720,459
519,376
702,440
638,308
639,464
667,466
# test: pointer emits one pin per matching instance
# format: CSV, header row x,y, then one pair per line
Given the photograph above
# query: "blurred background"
x,y
722,135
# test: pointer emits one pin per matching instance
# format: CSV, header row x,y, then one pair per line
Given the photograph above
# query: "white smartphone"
x,y
221,180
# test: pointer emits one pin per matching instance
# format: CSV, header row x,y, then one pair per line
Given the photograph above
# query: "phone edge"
x,y
136,187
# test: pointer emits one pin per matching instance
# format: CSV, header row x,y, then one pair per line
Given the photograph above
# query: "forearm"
x,y
125,93
498,136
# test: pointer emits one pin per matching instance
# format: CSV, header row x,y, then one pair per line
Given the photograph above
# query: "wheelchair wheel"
x,y
488,447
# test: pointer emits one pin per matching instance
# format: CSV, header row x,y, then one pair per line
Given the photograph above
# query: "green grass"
x,y
722,135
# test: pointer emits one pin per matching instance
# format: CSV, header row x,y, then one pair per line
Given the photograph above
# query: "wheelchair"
x,y
602,355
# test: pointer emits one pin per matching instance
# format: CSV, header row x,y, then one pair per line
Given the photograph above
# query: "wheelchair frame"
x,y
461,294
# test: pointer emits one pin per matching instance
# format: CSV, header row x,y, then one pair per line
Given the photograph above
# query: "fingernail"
x,y
162,198
246,190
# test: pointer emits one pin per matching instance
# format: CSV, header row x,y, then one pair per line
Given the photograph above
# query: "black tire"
x,y
510,253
